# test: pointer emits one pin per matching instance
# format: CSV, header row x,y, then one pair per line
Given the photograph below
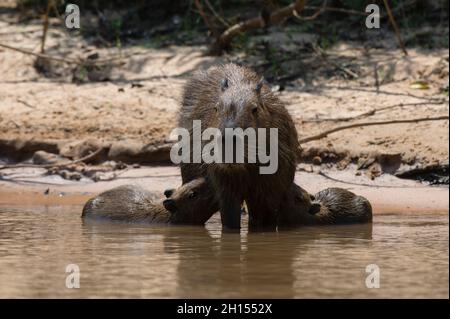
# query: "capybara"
x,y
327,207
340,206
192,203
232,96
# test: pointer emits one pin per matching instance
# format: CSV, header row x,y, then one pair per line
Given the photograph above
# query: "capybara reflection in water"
x,y
328,207
232,96
192,203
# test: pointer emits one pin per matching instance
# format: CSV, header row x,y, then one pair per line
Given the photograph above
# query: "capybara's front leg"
x,y
230,212
262,216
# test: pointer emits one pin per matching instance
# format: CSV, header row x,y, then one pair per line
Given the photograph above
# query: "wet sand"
x,y
388,194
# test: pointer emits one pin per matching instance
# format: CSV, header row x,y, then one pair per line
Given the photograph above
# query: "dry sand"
x,y
140,101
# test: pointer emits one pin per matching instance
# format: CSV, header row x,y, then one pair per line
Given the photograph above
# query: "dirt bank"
x,y
128,108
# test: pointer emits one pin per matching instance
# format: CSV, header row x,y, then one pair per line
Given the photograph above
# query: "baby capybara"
x,y
340,206
192,203
232,96
327,207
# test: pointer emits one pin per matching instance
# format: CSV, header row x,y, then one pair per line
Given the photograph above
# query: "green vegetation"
x,y
160,22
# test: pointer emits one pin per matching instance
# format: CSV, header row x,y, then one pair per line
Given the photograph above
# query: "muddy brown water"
x,y
149,261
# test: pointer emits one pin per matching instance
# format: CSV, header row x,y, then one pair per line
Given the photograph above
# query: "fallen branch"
x,y
368,113
342,10
276,17
345,127
83,159
315,15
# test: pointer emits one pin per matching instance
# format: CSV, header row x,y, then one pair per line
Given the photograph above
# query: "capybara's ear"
x,y
315,208
169,192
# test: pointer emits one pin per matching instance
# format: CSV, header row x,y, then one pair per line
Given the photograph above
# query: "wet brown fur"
x,y
327,207
205,99
132,203
340,206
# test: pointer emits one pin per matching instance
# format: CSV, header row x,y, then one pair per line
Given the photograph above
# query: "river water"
x,y
410,254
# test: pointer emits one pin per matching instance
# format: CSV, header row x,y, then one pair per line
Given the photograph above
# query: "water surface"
x,y
142,261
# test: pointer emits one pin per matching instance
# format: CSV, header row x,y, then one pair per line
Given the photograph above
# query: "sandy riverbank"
x,y
387,193
130,108
134,105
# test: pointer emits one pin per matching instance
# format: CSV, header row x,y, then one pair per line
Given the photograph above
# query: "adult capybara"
x,y
192,203
327,207
232,96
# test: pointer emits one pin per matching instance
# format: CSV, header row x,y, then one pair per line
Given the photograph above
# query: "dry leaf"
x,y
419,85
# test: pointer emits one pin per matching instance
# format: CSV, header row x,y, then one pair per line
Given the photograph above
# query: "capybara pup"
x,y
340,206
192,203
327,207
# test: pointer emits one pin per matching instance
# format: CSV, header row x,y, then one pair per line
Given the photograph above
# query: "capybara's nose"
x,y
168,192
169,204
315,208
230,123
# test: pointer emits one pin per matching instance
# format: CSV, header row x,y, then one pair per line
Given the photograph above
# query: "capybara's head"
x,y
192,203
239,109
239,99
238,104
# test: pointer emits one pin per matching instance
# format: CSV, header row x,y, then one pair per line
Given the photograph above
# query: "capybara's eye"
x,y
224,84
192,194
254,109
259,85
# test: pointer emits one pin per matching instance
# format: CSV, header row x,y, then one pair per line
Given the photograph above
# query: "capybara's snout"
x,y
170,205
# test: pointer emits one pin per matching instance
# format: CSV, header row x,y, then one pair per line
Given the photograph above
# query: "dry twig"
x,y
368,113
346,127
45,25
276,17
394,25
315,15
214,12
342,10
